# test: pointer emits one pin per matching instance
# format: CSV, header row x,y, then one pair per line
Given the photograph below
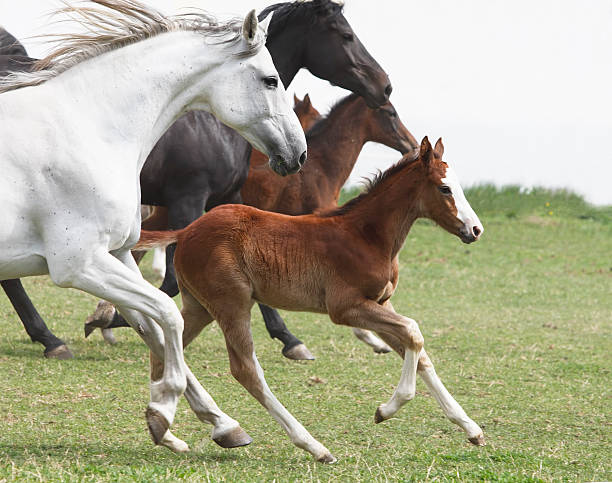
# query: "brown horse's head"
x,y
305,111
387,128
442,198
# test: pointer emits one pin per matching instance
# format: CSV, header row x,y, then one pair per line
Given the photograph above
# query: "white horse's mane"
x,y
120,23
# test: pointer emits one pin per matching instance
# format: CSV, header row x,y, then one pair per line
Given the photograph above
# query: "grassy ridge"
x,y
518,326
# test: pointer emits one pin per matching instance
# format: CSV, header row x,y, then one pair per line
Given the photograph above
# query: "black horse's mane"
x,y
369,187
322,123
284,12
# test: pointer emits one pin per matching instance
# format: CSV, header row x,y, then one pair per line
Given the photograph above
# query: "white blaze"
x,y
464,211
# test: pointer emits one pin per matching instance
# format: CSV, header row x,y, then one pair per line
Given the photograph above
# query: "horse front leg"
x,y
404,335
293,348
181,212
32,321
370,339
101,274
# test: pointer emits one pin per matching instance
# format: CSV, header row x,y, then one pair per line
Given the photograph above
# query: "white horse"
x,y
69,188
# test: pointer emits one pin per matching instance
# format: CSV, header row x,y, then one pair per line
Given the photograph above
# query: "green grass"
x,y
518,326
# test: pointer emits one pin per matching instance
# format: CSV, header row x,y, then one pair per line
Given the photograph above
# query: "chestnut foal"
x,y
343,262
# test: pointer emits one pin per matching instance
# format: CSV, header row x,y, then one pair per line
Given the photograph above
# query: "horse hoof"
x,y
60,352
299,353
478,440
157,425
109,336
383,349
234,439
174,444
327,458
101,318
378,417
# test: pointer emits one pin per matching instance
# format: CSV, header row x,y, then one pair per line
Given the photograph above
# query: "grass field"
x,y
518,325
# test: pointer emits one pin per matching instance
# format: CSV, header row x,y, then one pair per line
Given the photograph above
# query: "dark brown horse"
x,y
334,144
343,262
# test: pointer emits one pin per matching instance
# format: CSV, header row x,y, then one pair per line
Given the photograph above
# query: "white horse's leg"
x,y
451,408
159,262
226,431
102,275
370,339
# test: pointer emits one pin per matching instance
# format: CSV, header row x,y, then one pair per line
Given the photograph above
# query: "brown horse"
x,y
306,113
342,262
334,144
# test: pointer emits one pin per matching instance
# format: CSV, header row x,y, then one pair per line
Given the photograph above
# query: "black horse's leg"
x,y
33,322
180,214
293,348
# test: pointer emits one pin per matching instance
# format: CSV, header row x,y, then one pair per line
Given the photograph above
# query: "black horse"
x,y
14,58
184,171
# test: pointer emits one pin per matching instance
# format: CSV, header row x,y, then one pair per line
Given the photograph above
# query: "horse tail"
x,y
153,239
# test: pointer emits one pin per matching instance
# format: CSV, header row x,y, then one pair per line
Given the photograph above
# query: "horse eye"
x,y
271,82
347,36
445,190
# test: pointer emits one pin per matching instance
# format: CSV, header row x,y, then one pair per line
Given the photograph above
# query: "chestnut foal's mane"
x,y
371,187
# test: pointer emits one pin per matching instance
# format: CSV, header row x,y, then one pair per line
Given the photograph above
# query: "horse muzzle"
x,y
283,168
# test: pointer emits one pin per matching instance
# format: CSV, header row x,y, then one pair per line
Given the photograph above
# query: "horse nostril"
x,y
477,231
388,90
302,159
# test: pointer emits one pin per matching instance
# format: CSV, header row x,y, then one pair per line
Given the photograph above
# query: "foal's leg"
x,y
293,348
32,321
406,388
226,432
370,339
247,371
368,314
451,408
102,275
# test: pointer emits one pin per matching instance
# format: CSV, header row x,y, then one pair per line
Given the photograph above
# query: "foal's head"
x,y
387,128
305,111
442,198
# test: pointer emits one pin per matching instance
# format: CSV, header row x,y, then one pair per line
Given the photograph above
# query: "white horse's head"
x,y
246,93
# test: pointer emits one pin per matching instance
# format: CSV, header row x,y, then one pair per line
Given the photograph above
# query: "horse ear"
x,y
249,27
306,100
266,22
296,100
425,153
439,148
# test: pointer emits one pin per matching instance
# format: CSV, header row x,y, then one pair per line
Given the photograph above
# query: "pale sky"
x,y
520,90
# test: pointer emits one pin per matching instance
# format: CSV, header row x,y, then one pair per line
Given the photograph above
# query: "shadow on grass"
x,y
120,455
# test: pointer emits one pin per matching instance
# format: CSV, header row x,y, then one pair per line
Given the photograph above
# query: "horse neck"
x,y
286,51
385,215
135,93
333,152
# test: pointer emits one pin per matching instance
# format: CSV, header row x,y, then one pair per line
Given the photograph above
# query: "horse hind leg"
x,y
246,370
32,321
226,432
